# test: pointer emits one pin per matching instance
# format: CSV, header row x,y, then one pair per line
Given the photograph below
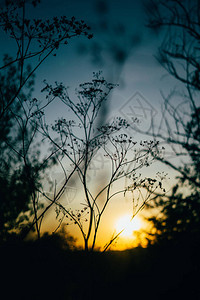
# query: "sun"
x,y
127,225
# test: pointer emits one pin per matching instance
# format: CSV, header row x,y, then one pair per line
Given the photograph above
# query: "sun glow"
x,y
128,226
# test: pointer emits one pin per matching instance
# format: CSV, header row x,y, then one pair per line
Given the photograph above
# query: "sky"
x,y
124,49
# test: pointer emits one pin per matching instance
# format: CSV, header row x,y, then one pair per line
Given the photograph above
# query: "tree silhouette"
x,y
15,192
180,127
22,167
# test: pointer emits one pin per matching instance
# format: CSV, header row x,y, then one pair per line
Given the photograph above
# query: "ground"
x,y
46,271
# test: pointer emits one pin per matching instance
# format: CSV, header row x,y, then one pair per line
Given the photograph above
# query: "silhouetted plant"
x,y
76,143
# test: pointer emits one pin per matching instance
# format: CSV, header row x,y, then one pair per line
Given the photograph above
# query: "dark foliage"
x,y
178,220
17,178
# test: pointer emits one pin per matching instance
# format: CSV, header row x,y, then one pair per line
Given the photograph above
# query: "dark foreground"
x,y
46,271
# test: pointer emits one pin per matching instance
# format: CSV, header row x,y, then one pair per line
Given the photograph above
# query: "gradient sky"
x,y
137,72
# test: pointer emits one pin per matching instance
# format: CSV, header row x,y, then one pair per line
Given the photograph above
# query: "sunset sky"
x,y
123,48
